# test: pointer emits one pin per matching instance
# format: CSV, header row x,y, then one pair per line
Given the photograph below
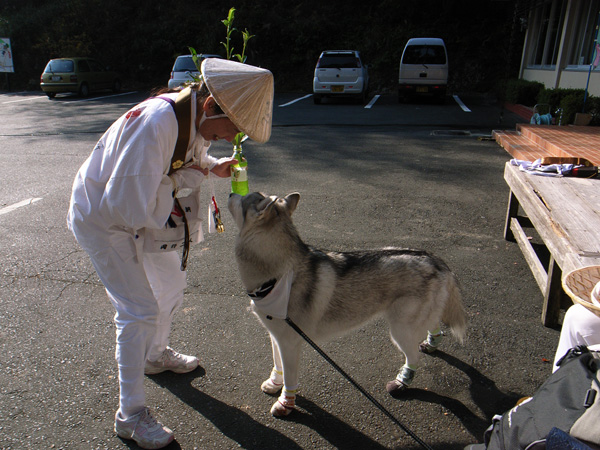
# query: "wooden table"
x,y
565,213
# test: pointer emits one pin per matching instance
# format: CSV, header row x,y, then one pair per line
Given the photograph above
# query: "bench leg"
x,y
511,211
553,297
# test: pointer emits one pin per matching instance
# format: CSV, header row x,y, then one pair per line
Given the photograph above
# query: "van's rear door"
x,y
338,68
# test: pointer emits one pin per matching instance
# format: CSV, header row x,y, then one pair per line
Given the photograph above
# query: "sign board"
x,y
6,56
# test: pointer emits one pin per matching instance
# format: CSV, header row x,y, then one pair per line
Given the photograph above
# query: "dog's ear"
x,y
292,201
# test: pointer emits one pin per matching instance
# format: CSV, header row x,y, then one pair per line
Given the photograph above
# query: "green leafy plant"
x,y
246,36
241,57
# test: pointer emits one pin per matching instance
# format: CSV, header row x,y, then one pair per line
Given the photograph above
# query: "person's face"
x,y
215,129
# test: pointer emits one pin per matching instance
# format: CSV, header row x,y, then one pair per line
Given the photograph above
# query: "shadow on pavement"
x,y
233,423
483,393
250,434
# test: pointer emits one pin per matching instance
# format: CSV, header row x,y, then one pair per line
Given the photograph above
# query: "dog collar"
x,y
264,290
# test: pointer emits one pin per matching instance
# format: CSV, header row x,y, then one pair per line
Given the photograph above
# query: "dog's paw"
x,y
271,388
427,348
396,388
281,409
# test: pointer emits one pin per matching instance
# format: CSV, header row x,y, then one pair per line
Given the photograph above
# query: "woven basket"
x,y
579,285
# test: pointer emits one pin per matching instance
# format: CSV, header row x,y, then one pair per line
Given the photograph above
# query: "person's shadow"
x,y
250,434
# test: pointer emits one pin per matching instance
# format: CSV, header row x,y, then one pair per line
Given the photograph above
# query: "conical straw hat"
x,y
582,286
244,93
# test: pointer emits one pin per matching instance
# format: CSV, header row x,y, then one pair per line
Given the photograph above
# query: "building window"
x,y
548,24
585,35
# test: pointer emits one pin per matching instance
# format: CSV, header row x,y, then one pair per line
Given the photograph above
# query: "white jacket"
x,y
123,187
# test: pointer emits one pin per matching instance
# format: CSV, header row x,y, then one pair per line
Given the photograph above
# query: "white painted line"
x,y
372,102
461,104
294,101
38,97
12,207
101,98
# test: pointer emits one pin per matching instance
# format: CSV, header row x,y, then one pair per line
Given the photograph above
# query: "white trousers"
x,y
145,297
580,327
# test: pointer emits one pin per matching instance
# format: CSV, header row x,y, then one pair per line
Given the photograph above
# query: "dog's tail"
x,y
454,314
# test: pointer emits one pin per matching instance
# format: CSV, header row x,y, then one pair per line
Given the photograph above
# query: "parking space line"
x,y
101,98
26,99
294,101
14,206
461,104
372,102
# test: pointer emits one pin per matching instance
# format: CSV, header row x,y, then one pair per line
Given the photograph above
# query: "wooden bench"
x,y
565,213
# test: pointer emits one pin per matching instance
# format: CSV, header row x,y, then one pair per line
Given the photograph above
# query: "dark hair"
x,y
202,93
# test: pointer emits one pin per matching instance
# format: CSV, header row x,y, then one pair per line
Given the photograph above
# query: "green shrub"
x,y
522,92
570,104
554,97
592,106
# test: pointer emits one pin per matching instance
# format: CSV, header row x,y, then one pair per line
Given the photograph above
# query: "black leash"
x,y
356,385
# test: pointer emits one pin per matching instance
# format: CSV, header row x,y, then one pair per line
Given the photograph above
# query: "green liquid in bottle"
x,y
239,173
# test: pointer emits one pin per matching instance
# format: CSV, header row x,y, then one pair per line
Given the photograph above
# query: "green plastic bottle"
x,y
239,172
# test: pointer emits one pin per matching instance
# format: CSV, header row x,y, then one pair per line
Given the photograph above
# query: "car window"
x,y
60,66
184,64
338,61
424,54
96,66
83,66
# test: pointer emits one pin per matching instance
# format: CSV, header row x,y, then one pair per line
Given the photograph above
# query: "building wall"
x,y
569,79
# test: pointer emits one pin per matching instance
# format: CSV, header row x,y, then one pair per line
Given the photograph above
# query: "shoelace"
x,y
172,354
149,419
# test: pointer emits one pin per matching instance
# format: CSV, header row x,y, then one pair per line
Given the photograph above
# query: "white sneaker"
x,y
144,429
173,361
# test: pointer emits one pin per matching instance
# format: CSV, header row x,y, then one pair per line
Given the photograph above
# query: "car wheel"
x,y
117,86
401,96
51,94
84,90
317,99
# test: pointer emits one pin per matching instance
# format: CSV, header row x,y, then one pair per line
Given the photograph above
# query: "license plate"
x,y
337,88
55,78
422,89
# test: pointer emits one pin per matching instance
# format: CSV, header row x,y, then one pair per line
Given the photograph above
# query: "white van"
x,y
423,69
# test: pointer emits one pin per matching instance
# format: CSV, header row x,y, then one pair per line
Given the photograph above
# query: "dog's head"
x,y
257,209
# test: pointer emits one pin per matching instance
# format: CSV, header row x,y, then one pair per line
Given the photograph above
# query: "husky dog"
x,y
331,293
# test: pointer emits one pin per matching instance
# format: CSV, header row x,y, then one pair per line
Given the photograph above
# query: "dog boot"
x,y
434,339
274,383
396,387
285,404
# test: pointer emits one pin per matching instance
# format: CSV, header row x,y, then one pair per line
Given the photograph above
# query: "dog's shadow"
x,y
335,431
250,434
484,393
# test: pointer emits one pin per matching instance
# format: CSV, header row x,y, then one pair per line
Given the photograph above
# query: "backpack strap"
x,y
182,108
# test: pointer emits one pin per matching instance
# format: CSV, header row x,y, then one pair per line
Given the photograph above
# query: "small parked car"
x,y
78,75
184,69
423,69
340,73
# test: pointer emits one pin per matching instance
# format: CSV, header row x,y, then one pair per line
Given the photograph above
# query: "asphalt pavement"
x,y
416,175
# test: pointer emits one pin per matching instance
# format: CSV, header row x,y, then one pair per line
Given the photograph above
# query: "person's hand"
x,y
222,168
199,169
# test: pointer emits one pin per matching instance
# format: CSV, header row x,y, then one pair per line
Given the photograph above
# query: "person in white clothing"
x,y
581,324
126,197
